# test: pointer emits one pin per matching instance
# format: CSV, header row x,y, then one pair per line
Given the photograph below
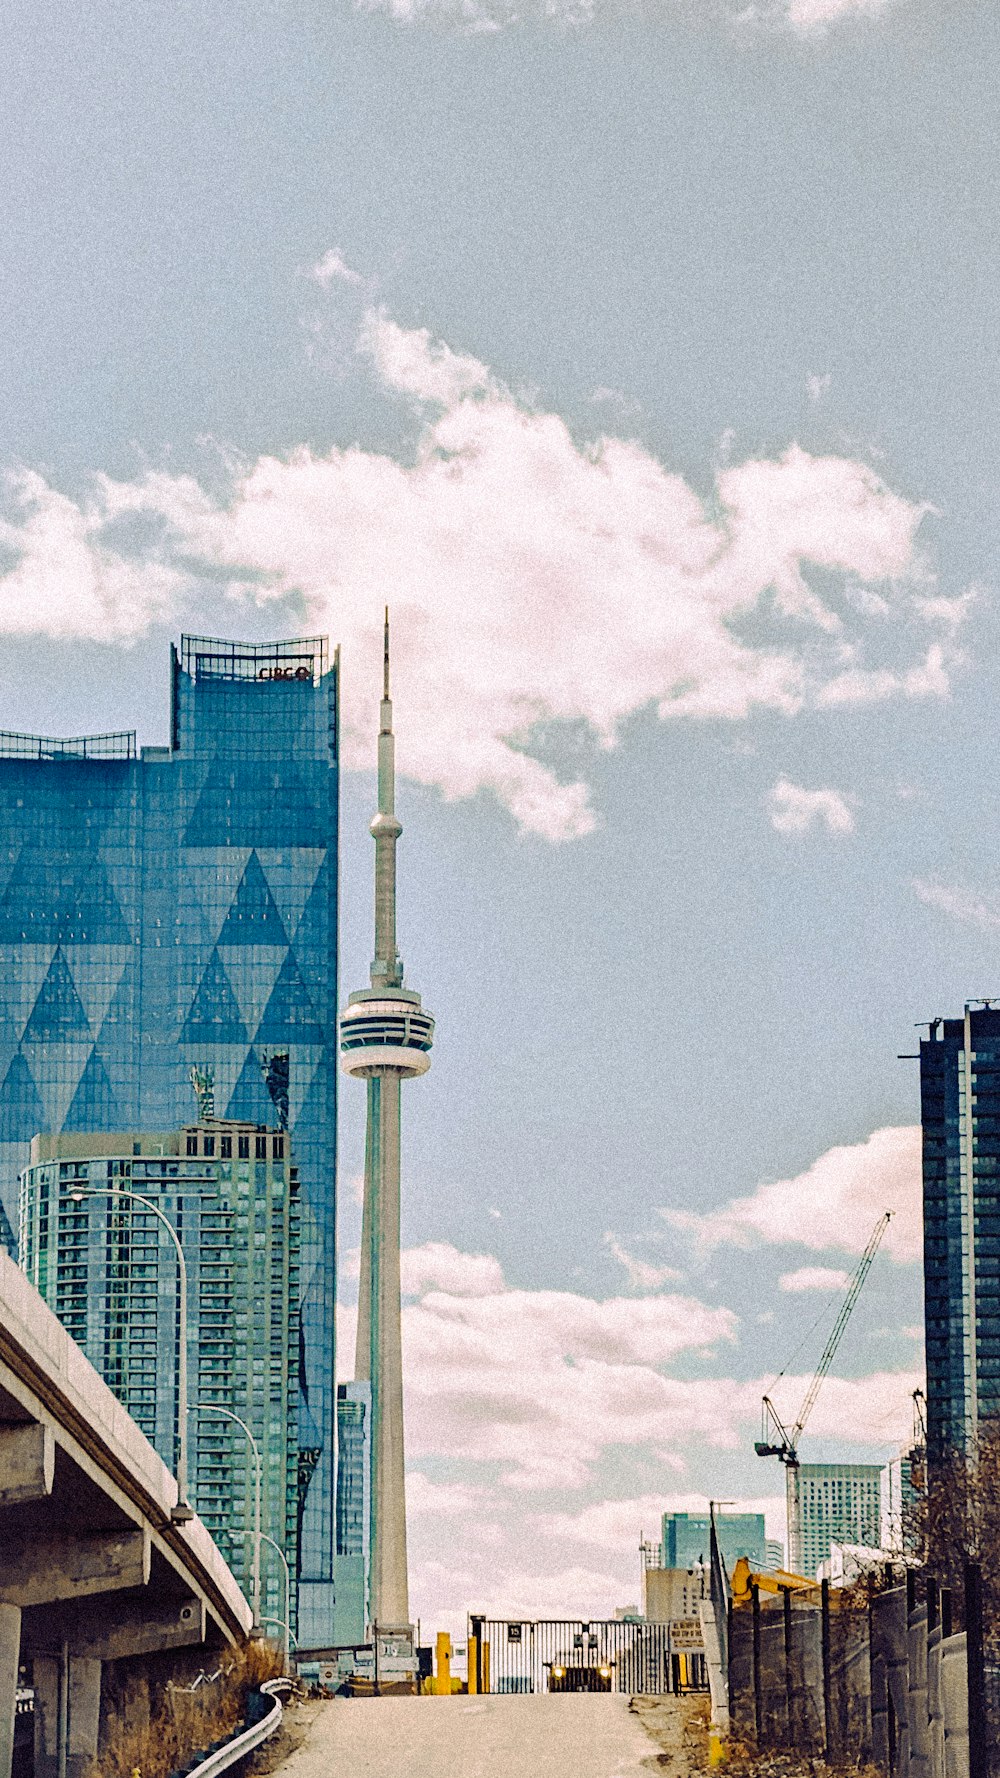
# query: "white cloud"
x,y
532,578
835,1203
795,810
517,1393
641,1275
959,904
409,360
333,269
815,15
444,1500
438,1266
813,1278
805,17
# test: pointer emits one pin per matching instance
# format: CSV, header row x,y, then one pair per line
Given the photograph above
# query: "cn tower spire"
x,y
385,1038
387,967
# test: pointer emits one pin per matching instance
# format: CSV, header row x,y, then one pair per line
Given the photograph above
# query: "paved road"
x,y
559,1737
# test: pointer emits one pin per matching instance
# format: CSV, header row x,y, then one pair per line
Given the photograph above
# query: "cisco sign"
x,y
286,672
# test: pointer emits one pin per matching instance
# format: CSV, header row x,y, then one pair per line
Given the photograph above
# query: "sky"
x,y
642,356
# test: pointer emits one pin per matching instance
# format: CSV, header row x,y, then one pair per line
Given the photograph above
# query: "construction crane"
x,y
782,1442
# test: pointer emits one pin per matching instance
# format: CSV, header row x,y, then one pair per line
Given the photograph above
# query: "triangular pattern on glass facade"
x,y
56,896
57,1015
97,972
291,877
210,884
306,1059
22,972
290,1016
95,1105
22,1114
250,1101
231,811
253,918
311,927
253,971
58,1089
214,1016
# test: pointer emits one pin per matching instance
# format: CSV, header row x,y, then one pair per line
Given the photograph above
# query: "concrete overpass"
x,y
92,1568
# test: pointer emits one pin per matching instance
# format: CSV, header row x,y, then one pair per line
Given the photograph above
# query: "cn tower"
x,y
385,1038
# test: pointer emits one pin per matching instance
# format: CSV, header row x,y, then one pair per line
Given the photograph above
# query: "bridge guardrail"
x,y
248,1739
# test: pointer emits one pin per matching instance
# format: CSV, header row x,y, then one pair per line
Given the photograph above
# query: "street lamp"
x,y
284,1622
180,1512
210,1407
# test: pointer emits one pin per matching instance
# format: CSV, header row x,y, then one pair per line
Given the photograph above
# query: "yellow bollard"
x,y
486,1666
473,1663
442,1665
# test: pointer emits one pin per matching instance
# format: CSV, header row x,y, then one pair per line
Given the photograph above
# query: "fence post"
x,y
824,1594
758,1702
975,1669
786,1601
932,1603
945,1611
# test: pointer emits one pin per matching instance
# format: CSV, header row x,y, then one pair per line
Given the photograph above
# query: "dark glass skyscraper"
x,y
178,909
960,1113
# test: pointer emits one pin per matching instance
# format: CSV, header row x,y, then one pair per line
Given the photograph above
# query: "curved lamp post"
x,y
211,1407
180,1512
283,1622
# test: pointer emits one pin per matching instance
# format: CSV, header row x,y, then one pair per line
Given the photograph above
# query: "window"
x,y
209,1145
192,1145
278,1148
261,1148
226,1147
244,1148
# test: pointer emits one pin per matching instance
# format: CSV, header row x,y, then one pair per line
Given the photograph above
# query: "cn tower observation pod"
x,y
385,1030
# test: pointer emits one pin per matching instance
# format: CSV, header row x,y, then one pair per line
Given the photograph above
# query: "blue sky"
x,y
644,358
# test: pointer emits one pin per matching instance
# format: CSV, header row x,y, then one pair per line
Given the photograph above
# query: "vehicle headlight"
x,y
605,1672
558,1672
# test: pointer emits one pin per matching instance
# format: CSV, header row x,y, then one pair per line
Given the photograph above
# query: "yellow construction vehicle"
x,y
778,1581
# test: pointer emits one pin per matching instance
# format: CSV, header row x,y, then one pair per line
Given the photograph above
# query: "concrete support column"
x,y
67,1715
10,1654
84,1714
45,1673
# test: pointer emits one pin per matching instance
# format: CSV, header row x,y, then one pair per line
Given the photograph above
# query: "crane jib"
x,y
785,1445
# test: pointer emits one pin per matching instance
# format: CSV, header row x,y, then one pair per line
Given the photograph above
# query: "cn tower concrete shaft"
x,y
385,1037
379,1354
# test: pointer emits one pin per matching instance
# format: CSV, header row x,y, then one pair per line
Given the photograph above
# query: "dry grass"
x,y
152,1740
743,1760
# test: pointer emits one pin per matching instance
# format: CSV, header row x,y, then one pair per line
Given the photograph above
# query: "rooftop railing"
x,y
116,746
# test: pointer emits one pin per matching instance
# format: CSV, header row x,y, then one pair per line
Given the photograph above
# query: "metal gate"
x,y
621,1655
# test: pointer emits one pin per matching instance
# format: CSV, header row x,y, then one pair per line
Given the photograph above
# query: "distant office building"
x,y
904,1484
774,1554
960,1113
354,1408
686,1536
178,908
840,1504
109,1269
671,1593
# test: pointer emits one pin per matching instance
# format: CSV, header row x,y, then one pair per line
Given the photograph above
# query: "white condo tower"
x,y
385,1038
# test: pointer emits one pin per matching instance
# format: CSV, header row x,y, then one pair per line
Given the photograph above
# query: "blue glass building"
x,y
687,1536
178,908
960,1114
